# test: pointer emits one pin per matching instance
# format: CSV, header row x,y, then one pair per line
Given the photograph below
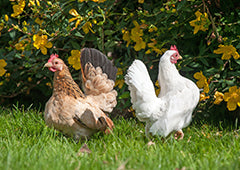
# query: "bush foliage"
x,y
206,33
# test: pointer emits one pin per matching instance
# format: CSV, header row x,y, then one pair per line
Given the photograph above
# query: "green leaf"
x,y
27,65
78,34
109,32
12,34
27,53
125,95
204,61
238,62
187,69
75,45
18,55
39,75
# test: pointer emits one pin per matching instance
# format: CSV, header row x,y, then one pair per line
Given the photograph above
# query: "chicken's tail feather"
x,y
98,59
139,84
99,75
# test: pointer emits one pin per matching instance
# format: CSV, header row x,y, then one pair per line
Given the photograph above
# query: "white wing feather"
x,y
181,104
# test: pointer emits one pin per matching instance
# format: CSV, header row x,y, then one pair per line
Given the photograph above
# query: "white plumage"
x,y
172,109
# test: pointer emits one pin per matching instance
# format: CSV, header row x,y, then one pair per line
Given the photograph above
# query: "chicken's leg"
x,y
179,135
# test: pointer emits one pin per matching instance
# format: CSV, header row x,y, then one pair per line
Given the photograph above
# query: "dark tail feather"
x,y
98,59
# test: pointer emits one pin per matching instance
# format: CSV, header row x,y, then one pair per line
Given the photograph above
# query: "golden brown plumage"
x,y
70,110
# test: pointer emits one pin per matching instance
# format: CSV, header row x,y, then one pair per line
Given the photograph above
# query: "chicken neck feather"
x,y
63,83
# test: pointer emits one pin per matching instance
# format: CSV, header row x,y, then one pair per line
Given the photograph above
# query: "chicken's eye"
x,y
56,62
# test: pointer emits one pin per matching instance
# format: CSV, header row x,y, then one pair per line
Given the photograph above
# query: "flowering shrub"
x,y
207,35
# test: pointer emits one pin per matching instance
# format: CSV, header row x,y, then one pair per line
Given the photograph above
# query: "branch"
x,y
211,19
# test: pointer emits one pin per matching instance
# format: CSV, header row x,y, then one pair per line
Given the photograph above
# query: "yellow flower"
x,y
148,51
228,51
1,27
2,65
31,3
203,97
98,1
232,98
18,9
77,17
218,96
126,36
141,1
159,51
119,72
7,75
74,59
136,34
174,10
200,23
86,27
131,110
49,84
202,81
225,39
38,21
29,79
157,90
25,23
19,46
152,28
22,44
140,44
41,41
119,83
38,3
152,45
6,18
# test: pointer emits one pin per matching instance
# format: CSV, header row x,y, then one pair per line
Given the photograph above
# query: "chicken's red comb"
x,y
52,57
173,47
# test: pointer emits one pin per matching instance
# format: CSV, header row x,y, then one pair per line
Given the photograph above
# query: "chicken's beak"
x,y
179,57
48,64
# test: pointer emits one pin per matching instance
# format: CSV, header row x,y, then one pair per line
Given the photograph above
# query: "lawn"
x,y
26,143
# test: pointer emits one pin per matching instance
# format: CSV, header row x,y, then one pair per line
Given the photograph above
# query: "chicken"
x,y
73,112
172,109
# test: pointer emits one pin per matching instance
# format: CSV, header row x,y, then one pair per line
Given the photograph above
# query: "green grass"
x,y
26,143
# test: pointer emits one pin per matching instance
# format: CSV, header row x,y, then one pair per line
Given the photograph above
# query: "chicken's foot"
x,y
179,135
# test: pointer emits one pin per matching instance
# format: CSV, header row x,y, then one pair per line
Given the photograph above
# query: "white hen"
x,y
172,109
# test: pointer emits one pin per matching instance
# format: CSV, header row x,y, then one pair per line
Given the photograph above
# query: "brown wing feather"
x,y
88,120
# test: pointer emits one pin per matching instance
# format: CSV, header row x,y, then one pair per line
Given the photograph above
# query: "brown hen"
x,y
73,112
